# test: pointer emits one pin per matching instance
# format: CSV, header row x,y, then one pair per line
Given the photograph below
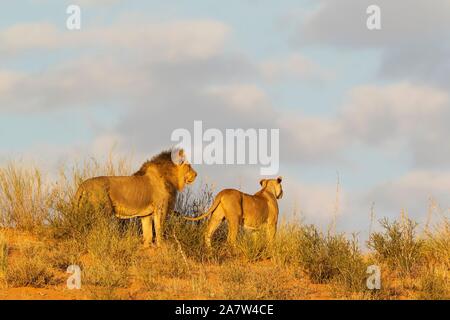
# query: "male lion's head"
x,y
185,173
172,166
273,186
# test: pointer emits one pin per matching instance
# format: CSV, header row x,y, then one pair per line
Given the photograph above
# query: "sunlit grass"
x,y
110,252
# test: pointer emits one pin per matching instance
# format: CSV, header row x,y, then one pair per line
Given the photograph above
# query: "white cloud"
x,y
411,192
411,40
155,71
294,66
96,2
401,114
8,79
311,138
314,203
155,41
343,22
25,36
123,65
84,3
244,98
375,113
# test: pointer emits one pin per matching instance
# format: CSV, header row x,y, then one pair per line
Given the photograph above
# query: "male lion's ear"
x,y
279,179
263,182
182,155
178,156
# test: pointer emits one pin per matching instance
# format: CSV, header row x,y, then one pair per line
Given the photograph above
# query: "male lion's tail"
x,y
209,212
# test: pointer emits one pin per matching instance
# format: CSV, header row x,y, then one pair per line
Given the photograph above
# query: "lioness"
x,y
251,211
149,193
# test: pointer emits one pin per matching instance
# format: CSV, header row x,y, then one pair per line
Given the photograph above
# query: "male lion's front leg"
x,y
159,227
160,218
147,230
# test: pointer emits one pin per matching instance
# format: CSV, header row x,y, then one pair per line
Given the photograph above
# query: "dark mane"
x,y
164,160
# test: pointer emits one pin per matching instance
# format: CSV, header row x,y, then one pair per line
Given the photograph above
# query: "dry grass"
x,y
263,282
302,262
23,198
435,285
110,254
3,259
398,245
30,268
437,244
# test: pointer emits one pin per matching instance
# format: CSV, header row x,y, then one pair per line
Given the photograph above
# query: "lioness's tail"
x,y
209,212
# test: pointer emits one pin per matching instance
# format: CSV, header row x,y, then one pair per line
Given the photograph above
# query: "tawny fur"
x,y
148,194
241,209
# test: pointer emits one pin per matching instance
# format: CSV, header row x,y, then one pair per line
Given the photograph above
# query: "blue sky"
x,y
369,105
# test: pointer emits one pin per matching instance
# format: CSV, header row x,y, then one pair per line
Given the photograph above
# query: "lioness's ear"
x,y
263,182
279,179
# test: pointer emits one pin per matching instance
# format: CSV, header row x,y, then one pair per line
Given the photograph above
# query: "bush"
x,y
253,246
434,285
190,234
285,248
437,245
397,246
111,252
64,253
327,258
30,268
23,198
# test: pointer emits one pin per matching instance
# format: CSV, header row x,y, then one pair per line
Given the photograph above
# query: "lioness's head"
x,y
273,186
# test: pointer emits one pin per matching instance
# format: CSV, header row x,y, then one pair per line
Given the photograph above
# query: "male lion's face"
x,y
186,174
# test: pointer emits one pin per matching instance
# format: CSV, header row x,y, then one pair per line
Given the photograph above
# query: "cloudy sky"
x,y
371,107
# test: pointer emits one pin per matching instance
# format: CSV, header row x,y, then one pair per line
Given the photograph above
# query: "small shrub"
x,y
30,268
327,258
68,219
253,246
285,249
397,246
187,234
191,234
111,252
23,198
437,245
64,253
71,221
434,285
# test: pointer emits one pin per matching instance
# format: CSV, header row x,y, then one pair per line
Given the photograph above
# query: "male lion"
x,y
251,211
148,194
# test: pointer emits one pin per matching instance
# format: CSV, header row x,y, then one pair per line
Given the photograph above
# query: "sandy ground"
x,y
174,288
